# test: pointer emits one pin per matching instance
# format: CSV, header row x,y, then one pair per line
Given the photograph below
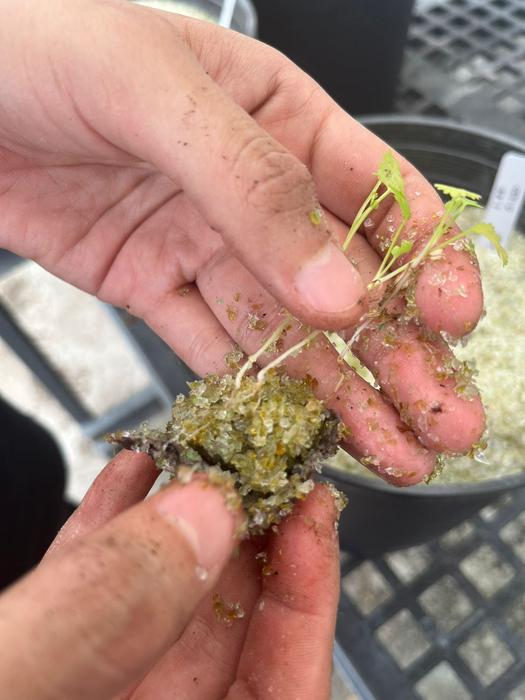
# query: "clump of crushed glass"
x,y
265,438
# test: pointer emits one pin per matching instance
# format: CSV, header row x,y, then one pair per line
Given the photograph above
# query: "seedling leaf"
x,y
390,176
489,232
457,192
348,356
399,250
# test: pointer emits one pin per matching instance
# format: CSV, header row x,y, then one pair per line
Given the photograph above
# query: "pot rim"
x,y
467,488
443,123
486,486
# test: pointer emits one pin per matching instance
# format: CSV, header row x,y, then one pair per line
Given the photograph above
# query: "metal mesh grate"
x,y
466,59
447,619
443,620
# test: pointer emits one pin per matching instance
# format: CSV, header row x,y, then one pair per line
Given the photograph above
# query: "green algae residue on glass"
x,y
268,437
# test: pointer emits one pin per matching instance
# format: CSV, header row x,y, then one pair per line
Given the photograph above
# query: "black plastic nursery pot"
x,y
353,48
380,517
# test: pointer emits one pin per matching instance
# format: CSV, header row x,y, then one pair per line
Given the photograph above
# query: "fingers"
x,y
288,648
188,325
242,310
392,451
343,156
449,294
374,427
125,481
432,391
203,663
448,290
237,307
150,567
252,190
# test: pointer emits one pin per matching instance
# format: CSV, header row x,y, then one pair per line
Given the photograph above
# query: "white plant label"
x,y
506,196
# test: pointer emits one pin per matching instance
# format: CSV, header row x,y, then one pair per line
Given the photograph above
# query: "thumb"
x,y
159,104
90,621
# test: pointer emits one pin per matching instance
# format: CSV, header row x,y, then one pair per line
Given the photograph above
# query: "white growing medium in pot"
x,y
497,349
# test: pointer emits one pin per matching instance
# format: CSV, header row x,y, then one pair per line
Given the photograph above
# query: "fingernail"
x,y
199,512
329,283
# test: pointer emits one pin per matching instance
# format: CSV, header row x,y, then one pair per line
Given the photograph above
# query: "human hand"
x,y
164,165
121,606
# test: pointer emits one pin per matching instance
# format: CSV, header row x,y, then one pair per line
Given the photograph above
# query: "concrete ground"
x,y
80,338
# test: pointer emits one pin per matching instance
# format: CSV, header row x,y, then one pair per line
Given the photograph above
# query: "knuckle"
x,y
202,344
272,179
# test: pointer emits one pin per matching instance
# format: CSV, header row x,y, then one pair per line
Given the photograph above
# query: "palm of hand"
x,y
101,216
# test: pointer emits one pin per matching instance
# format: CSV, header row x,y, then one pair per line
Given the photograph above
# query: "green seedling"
x,y
458,200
